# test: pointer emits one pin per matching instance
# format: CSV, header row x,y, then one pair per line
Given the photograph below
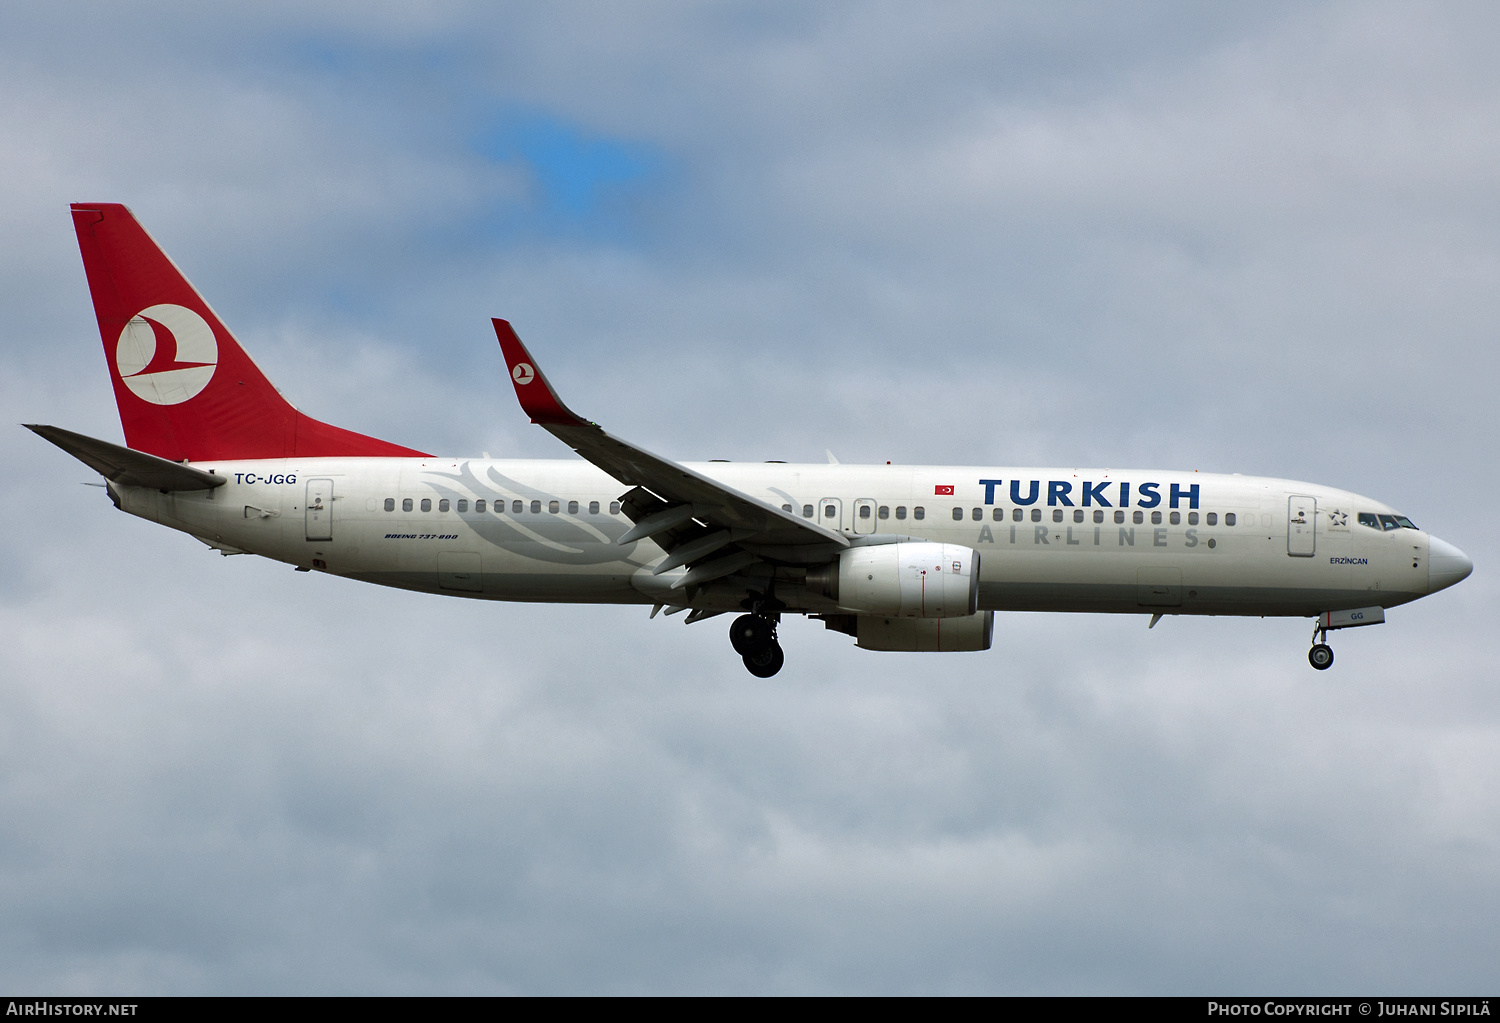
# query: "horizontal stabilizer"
x,y
127,466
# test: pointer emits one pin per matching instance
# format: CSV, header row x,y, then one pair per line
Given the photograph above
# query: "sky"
x,y
1240,238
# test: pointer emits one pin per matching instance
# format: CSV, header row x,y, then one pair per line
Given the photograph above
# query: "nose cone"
x,y
1446,565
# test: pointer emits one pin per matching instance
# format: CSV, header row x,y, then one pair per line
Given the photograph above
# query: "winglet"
x,y
538,399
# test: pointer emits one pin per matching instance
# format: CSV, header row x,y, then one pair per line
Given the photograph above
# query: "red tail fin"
x,y
184,386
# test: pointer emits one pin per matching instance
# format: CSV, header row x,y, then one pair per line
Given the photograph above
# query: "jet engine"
x,y
925,634
902,580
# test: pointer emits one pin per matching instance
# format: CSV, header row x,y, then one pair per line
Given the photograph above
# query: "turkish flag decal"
x,y
942,491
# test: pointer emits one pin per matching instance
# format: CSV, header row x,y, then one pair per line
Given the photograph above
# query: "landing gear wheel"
x,y
767,662
1320,656
752,634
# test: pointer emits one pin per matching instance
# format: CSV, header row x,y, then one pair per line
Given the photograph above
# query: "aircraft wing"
x,y
126,465
728,517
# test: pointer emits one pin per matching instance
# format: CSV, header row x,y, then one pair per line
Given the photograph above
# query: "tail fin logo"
x,y
166,354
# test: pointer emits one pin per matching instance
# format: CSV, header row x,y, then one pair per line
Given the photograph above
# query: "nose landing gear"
x,y
753,637
1321,654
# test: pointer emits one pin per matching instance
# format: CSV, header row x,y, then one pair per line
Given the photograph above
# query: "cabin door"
x,y
1301,521
320,509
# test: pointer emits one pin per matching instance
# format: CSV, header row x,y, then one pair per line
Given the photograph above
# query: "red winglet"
x,y
538,399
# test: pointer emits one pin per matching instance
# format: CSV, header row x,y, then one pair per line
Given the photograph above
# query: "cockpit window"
x,y
1406,523
1389,522
1366,519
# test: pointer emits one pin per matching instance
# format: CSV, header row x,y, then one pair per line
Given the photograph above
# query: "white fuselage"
x,y
1048,539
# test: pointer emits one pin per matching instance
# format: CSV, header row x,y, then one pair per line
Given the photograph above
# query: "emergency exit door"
x,y
831,513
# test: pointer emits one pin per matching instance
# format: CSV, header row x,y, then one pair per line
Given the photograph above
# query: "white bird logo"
x,y
166,354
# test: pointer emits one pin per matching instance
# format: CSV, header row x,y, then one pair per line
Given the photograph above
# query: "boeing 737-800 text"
x,y
912,558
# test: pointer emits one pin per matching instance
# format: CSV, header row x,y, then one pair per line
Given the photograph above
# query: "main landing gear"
x,y
753,637
1321,654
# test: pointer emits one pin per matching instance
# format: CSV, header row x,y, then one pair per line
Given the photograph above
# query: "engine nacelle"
x,y
927,635
903,580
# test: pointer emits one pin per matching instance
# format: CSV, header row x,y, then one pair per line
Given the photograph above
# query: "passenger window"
x,y
807,511
998,515
426,504
463,506
536,507
1098,516
593,507
1138,517
614,507
1018,514
1175,518
1077,514
553,507
479,505
919,513
443,504
1389,522
515,507
390,504
1056,514
900,511
1119,518
1036,514
1156,518
958,514
786,507
864,511
572,507
884,513
828,511
406,504
1193,518
1213,519
1229,518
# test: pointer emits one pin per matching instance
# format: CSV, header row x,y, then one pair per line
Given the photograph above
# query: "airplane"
x,y
901,558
